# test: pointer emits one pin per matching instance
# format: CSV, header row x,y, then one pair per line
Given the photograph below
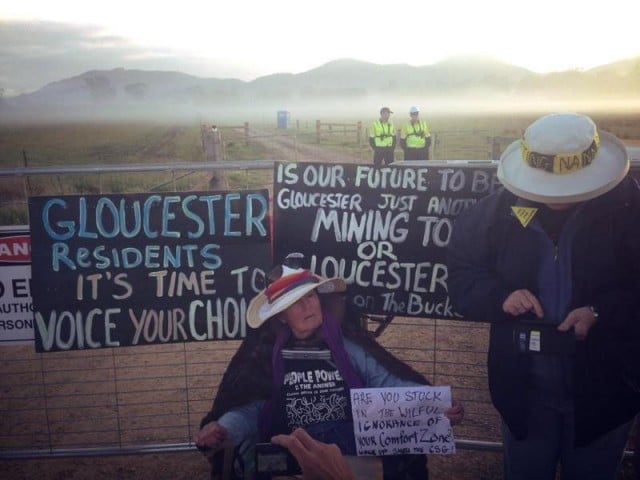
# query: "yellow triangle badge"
x,y
524,214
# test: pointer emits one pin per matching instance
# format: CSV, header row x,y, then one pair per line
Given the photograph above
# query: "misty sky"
x,y
43,41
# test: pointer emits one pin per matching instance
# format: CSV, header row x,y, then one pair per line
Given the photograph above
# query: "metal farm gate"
x,y
151,398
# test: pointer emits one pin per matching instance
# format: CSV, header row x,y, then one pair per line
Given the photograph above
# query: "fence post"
x,y
359,133
495,148
212,142
317,131
203,129
436,142
27,182
246,133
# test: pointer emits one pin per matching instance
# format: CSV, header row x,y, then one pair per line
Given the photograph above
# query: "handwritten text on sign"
x,y
403,420
384,230
147,268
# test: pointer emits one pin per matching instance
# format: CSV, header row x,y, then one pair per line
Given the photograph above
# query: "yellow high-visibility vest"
x,y
415,134
382,133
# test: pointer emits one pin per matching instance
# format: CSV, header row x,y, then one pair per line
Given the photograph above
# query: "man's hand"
x,y
581,320
522,301
318,461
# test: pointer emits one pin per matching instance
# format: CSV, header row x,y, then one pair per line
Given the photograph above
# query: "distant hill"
x,y
125,86
340,80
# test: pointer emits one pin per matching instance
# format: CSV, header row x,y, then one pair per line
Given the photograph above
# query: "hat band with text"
x,y
561,163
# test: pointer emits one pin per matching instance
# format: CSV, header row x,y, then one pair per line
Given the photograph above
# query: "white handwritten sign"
x,y
403,420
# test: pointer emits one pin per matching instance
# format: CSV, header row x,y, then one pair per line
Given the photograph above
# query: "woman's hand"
x,y
212,435
455,414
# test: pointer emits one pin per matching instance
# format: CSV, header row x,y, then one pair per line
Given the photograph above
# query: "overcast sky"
x,y
43,41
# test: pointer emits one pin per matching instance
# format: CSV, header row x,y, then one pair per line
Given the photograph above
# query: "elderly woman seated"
x,y
296,368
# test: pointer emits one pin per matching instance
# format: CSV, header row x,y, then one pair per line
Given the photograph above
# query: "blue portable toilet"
x,y
283,119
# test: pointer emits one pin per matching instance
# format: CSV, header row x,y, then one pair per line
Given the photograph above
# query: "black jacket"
x,y
490,255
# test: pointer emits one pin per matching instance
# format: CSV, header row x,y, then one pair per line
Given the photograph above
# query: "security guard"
x,y
382,138
415,138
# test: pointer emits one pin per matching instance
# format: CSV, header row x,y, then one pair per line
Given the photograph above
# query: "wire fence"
x,y
156,395
340,143
151,398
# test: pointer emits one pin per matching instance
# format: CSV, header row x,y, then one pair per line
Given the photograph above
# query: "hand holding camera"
x,y
317,460
273,459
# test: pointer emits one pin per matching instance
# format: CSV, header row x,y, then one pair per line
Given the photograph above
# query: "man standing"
x,y
552,261
415,138
382,138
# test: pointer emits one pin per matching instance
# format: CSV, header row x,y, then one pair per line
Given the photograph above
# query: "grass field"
x,y
68,144
455,137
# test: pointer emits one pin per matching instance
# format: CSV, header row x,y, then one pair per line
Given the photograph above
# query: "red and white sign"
x,y
15,249
16,306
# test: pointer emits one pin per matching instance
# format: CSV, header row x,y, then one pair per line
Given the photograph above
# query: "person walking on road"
x,y
382,138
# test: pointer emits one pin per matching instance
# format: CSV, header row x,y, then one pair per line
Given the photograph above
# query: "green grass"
x,y
86,143
14,215
236,146
458,137
109,144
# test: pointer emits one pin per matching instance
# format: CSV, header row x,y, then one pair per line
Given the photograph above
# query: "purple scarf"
x,y
332,335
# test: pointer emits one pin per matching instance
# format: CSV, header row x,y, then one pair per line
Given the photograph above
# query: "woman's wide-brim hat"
x,y
563,159
293,284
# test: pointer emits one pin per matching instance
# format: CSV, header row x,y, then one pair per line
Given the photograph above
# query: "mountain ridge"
x,y
341,79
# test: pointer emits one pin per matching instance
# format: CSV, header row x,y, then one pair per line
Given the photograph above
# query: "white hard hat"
x,y
414,109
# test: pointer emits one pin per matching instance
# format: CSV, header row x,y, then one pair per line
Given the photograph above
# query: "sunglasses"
x,y
293,260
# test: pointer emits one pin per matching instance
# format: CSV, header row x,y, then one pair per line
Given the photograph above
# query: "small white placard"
x,y
402,420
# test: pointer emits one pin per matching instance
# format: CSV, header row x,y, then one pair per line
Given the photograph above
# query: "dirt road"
x,y
292,147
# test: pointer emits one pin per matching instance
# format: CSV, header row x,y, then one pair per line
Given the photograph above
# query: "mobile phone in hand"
x,y
275,460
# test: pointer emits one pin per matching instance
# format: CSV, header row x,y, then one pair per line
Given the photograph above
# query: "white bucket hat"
x,y
563,159
293,284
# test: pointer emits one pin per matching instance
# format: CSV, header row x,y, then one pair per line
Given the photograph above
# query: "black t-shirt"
x,y
313,390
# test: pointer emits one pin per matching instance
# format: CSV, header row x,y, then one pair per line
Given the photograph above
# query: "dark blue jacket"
x,y
491,255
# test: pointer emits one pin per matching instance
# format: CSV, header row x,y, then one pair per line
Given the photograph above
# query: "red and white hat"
x,y
291,286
